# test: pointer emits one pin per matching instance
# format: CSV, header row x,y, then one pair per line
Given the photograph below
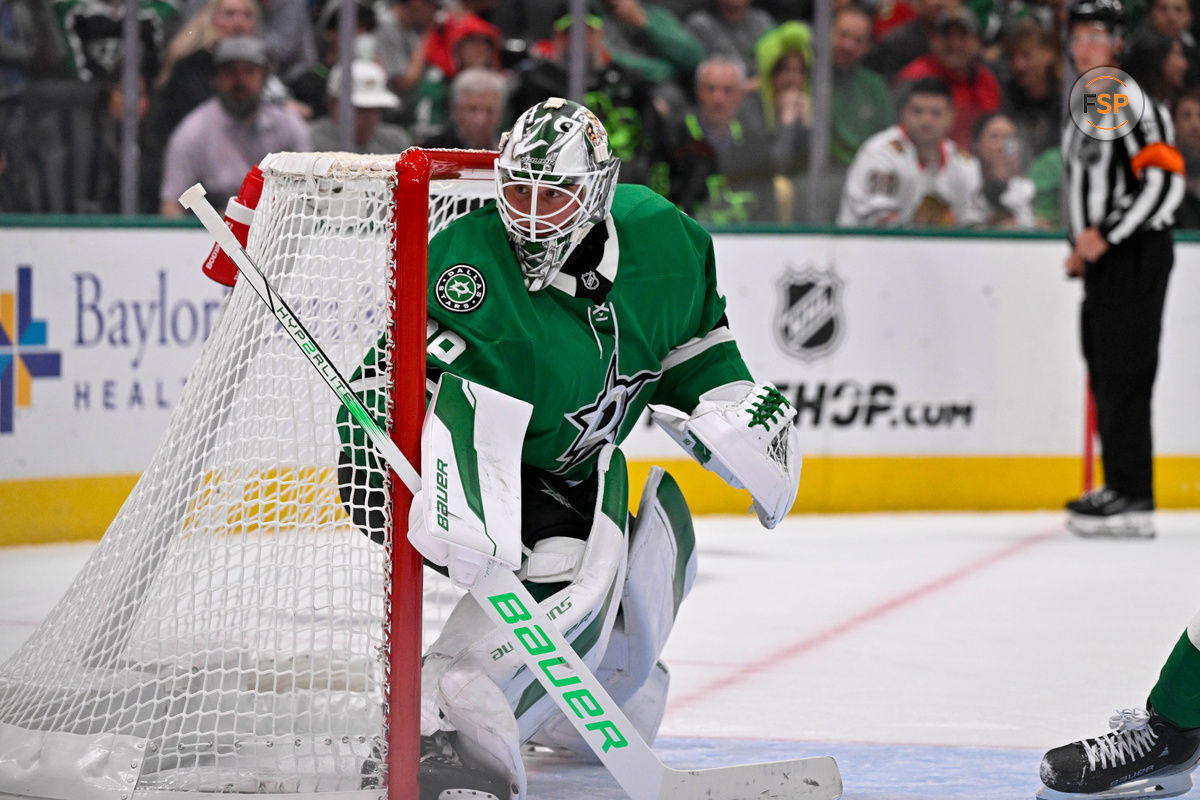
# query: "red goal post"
x,y
234,631
420,175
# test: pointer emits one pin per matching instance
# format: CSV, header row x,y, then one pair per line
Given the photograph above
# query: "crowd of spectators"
x,y
944,112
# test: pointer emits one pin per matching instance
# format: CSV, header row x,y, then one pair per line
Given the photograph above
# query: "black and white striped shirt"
x,y
1121,187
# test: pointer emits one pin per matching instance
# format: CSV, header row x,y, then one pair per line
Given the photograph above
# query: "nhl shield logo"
x,y
809,323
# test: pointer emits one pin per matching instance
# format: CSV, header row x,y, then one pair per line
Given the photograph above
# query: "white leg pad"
x,y
473,682
662,569
488,738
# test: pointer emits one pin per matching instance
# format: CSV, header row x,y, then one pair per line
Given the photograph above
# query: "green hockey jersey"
x,y
634,317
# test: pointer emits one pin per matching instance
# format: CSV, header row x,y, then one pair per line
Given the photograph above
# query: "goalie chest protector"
x,y
590,363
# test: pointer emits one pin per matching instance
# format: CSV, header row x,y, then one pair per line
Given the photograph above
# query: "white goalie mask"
x,y
555,179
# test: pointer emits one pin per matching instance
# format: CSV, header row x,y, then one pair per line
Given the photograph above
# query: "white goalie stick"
x,y
545,651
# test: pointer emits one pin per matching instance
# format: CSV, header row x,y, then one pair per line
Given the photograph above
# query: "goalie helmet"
x,y
555,179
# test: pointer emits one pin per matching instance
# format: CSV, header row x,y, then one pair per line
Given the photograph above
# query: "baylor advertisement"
x,y
927,372
98,331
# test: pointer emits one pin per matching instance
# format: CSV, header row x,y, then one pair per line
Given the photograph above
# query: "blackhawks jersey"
x,y
888,186
634,317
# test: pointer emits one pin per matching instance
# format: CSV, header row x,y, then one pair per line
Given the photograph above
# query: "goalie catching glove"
x,y
746,434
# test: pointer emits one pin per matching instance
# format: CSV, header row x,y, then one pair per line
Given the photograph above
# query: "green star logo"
x,y
460,289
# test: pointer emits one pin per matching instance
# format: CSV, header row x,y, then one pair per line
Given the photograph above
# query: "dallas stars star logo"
x,y
599,421
460,288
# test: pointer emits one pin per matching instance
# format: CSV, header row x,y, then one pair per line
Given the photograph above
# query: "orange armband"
x,y
1157,154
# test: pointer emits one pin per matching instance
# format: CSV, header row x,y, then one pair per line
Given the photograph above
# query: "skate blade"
x,y
1160,786
1132,525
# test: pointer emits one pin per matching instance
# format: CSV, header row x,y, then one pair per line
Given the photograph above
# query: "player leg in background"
x,y
1148,753
477,699
1121,322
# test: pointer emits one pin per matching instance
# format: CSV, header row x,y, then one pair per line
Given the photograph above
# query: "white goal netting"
x,y
229,632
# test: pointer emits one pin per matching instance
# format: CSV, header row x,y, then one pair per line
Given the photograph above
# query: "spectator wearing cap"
x,y
371,99
863,107
619,96
218,142
461,41
784,57
954,59
906,42
477,98
731,28
186,79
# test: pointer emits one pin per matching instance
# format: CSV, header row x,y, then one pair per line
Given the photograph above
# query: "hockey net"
x,y
234,631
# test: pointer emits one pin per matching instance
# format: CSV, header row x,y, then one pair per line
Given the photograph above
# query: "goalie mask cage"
x,y
234,631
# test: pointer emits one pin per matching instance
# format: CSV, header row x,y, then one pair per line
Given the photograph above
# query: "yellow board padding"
x,y
265,500
72,509
926,483
60,509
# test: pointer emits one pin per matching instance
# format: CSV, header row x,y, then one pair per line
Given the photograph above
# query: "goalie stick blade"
x,y
815,778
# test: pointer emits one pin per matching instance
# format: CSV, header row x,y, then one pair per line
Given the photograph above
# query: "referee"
x,y
1121,197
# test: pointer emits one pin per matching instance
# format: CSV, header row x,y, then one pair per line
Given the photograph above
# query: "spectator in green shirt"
x,y
652,42
864,104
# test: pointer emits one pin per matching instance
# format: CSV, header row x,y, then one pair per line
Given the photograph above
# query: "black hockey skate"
x,y
1144,756
1105,513
443,776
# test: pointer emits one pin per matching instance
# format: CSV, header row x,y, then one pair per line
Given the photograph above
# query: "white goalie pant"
x,y
617,620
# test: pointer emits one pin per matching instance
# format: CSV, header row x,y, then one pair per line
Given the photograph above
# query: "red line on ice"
x,y
821,638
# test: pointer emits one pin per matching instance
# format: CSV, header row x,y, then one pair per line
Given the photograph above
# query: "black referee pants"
x,y
1121,322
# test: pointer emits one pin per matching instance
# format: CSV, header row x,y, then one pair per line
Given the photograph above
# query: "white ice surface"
x,y
935,655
